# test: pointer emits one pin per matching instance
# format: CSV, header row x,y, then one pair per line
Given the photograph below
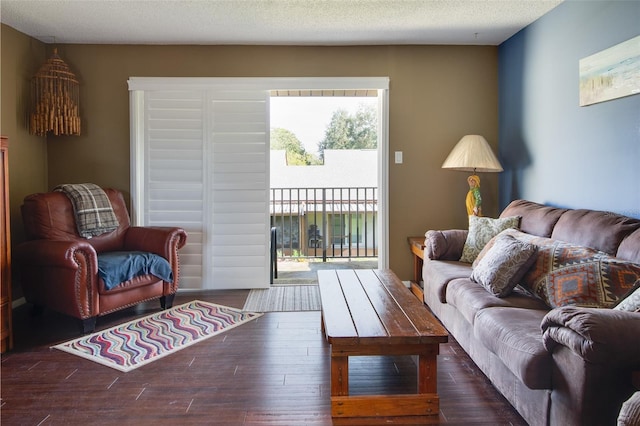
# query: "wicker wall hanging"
x,y
55,99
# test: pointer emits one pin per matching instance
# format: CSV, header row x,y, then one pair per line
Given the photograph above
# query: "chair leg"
x,y
88,325
166,302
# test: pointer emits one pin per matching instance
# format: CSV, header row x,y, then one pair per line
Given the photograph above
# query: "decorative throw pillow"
x,y
503,265
541,265
566,274
630,303
488,246
481,231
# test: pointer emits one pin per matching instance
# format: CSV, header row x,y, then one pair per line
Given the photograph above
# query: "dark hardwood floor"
x,y
270,371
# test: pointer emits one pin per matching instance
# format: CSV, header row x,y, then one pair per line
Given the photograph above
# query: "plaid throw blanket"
x,y
94,214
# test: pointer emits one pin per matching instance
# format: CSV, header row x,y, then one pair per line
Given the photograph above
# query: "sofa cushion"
x,y
603,231
149,281
481,231
438,273
503,265
514,336
536,219
469,298
630,248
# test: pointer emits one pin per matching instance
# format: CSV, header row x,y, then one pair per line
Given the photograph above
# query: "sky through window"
x,y
308,117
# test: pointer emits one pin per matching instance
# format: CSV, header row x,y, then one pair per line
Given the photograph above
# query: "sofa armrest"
x,y
163,241
445,245
596,335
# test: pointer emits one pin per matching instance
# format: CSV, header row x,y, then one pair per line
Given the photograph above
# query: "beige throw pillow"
x,y
503,265
630,303
481,231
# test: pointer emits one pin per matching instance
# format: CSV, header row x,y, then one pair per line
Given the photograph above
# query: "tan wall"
x,y
21,57
437,95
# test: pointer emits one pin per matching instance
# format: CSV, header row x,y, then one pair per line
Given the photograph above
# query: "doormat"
x,y
134,344
286,298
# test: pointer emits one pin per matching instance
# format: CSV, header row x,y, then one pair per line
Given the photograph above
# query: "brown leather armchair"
x,y
58,268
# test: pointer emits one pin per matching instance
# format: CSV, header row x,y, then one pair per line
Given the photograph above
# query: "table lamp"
x,y
473,154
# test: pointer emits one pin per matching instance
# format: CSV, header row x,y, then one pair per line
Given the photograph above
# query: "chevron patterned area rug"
x,y
139,342
284,298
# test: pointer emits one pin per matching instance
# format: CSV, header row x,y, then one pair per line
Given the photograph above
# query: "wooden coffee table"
x,y
370,312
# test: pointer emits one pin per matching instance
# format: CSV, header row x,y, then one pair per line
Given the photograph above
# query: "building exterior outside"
x,y
328,210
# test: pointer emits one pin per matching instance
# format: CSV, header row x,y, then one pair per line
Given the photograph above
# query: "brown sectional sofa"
x,y
563,366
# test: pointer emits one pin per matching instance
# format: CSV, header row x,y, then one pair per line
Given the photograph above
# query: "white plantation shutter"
x,y
173,172
200,162
238,188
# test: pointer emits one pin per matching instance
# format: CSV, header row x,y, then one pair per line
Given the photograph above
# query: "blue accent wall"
x,y
554,151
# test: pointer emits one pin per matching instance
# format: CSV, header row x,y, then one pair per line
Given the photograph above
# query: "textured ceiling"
x,y
273,22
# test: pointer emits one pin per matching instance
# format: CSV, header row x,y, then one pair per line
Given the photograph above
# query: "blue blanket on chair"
x,y
119,266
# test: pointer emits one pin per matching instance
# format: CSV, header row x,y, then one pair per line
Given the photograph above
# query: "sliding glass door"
x,y
200,160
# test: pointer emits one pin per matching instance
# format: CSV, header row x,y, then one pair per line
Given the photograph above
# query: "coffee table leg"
x,y
339,375
427,372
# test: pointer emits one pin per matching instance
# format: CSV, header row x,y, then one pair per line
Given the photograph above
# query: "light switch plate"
x,y
398,157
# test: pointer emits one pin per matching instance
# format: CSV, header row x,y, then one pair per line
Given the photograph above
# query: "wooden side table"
x,y
416,244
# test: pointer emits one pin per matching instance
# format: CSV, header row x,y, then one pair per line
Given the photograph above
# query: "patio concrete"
x,y
304,271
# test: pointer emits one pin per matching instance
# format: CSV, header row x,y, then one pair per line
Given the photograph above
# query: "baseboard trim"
x,y
18,302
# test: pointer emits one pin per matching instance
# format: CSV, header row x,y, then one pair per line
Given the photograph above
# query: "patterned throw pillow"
x,y
631,303
504,264
488,246
566,274
481,231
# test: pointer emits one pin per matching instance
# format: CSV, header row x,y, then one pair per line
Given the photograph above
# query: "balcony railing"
x,y
325,222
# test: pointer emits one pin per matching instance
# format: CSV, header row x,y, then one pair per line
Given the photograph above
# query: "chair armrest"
x,y
61,275
163,241
56,254
596,335
445,245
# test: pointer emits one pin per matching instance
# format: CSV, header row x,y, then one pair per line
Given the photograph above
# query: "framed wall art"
x,y
611,73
